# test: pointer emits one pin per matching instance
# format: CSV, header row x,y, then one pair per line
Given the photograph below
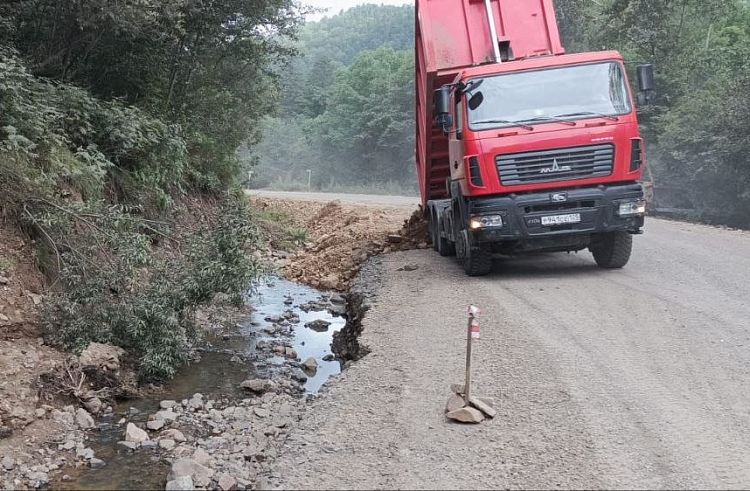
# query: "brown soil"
x,y
343,237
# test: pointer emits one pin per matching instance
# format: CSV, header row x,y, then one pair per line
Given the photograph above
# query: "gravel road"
x,y
604,379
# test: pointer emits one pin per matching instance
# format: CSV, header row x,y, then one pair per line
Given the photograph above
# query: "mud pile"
x,y
343,236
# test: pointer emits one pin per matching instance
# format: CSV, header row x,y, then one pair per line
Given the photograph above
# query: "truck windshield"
x,y
552,95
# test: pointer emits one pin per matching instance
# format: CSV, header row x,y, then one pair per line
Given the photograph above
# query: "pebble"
x,y
8,463
97,463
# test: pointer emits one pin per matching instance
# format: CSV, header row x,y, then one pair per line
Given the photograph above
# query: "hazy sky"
x,y
336,6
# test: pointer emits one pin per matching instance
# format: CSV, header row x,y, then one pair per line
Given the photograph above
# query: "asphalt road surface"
x,y
638,378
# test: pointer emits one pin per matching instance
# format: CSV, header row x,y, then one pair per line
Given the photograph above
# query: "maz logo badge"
x,y
558,197
556,168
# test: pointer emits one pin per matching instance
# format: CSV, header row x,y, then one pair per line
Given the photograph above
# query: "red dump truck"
x,y
520,147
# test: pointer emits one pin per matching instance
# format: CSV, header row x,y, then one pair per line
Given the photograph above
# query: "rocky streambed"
x,y
218,425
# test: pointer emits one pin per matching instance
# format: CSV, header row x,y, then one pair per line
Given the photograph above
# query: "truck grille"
x,y
563,164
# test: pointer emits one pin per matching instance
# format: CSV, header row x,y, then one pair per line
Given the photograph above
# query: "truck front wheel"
x,y
477,261
612,250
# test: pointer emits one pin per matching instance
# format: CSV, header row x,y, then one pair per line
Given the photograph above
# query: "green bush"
x,y
115,290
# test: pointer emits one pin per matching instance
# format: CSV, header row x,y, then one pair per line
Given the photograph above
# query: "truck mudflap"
x,y
557,220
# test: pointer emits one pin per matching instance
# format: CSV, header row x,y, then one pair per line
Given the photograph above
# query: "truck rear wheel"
x,y
612,250
477,261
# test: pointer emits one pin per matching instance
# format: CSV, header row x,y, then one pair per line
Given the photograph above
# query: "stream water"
x,y
218,374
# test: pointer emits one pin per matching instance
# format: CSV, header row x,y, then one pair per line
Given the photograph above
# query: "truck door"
x,y
456,144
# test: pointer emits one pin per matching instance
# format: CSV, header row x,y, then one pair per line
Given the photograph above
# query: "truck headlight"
x,y
486,221
631,208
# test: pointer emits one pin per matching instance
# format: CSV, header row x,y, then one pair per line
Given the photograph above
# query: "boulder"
x,y
182,483
318,325
467,415
255,385
135,434
227,482
101,356
155,425
84,419
94,405
167,443
175,435
167,404
310,365
186,467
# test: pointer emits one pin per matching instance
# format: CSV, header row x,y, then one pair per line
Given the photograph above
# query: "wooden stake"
x,y
469,344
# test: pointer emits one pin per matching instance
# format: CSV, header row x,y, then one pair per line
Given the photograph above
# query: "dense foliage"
x,y
110,114
699,131
347,108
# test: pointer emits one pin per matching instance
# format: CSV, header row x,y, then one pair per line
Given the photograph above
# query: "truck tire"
x,y
434,235
613,250
476,261
445,247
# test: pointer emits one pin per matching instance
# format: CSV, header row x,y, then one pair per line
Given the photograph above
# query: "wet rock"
x,y
94,405
196,402
38,480
227,482
276,319
182,483
337,299
155,425
299,376
97,463
290,353
149,445
310,365
101,356
84,419
135,434
85,453
8,463
167,404
255,385
329,358
318,325
185,467
167,443
129,445
175,435
467,415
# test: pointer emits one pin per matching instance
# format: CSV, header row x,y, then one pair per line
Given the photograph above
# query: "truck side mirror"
x,y
646,85
442,108
476,100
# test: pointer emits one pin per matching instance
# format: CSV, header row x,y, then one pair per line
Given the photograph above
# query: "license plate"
x,y
561,219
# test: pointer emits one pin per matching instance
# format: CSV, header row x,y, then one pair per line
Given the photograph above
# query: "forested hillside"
x,y
347,106
111,114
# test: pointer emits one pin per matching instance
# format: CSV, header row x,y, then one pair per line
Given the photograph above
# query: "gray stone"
x,y
201,456
329,357
182,483
8,463
255,385
185,467
97,463
155,425
129,445
467,415
149,445
167,404
166,415
455,403
299,376
318,325
4,280
167,443
63,417
40,413
227,482
94,405
478,403
175,435
260,412
84,419
85,453
135,434
38,480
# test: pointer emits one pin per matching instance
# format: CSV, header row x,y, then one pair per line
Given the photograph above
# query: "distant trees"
x,y
351,98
